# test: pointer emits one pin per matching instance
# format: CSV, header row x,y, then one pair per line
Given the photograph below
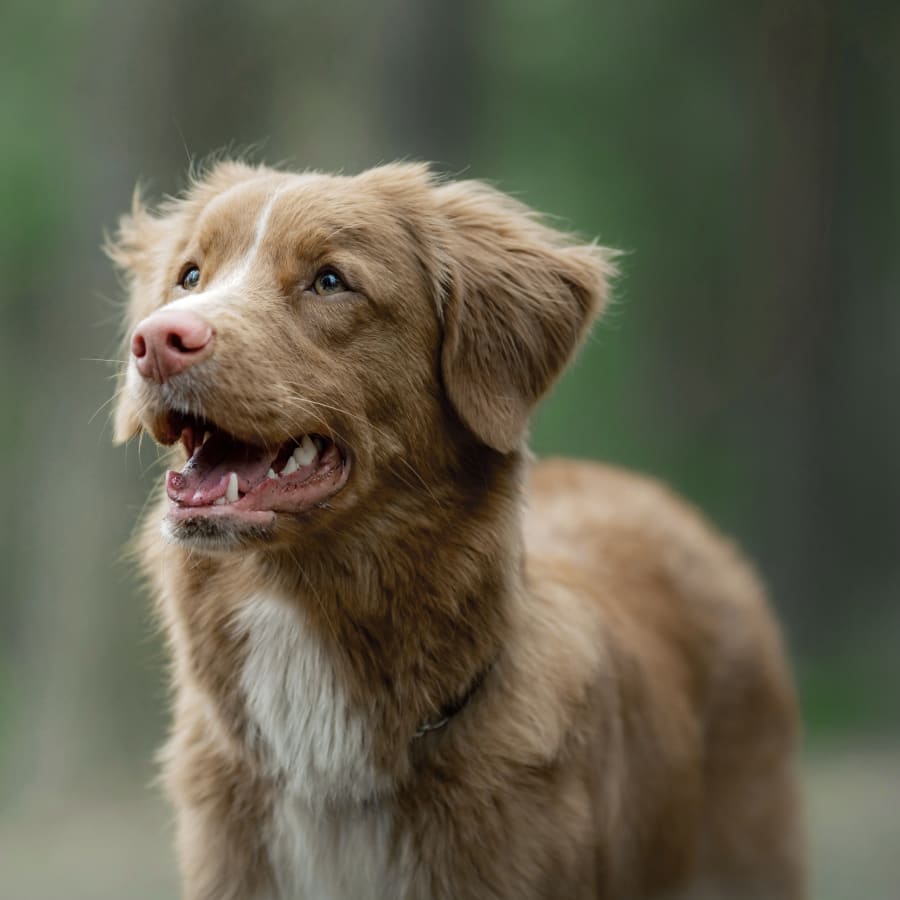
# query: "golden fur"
x,y
634,733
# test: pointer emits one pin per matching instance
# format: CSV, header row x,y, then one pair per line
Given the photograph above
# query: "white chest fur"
x,y
316,744
325,842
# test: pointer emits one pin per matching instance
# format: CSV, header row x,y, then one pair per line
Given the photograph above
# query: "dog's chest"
x,y
324,841
310,737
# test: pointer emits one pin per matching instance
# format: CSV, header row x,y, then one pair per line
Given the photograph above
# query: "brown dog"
x,y
407,663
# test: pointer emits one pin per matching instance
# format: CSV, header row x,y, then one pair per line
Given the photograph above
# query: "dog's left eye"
x,y
328,282
190,278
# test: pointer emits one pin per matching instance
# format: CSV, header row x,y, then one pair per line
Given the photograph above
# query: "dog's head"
x,y
306,340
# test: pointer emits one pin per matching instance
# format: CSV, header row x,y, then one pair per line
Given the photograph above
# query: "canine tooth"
x,y
219,502
306,452
271,474
206,436
231,492
290,466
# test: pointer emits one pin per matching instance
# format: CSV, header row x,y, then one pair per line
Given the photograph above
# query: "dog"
x,y
409,661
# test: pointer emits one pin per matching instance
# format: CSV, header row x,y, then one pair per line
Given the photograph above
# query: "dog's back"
x,y
706,709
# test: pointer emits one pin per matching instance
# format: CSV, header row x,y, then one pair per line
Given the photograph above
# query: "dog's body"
x,y
410,664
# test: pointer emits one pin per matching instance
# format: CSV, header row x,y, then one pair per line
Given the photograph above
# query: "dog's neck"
x,y
420,627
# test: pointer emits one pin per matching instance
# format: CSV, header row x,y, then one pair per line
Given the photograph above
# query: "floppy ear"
x,y
519,299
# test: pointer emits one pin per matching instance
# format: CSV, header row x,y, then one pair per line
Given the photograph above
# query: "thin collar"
x,y
455,706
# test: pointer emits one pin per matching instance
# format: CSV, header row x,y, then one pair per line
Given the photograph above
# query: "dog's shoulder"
x,y
623,531
678,605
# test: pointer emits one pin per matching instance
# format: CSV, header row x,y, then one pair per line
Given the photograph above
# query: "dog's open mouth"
x,y
227,477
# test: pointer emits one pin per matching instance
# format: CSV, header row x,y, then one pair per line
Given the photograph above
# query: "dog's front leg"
x,y
222,813
220,859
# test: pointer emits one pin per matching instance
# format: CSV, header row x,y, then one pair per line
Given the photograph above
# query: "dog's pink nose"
x,y
170,341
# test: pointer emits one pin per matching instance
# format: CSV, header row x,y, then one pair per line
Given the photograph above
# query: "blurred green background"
x,y
746,156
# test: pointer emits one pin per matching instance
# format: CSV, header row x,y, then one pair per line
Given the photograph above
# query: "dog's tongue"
x,y
205,477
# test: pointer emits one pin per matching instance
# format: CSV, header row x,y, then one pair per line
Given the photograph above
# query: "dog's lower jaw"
x,y
217,535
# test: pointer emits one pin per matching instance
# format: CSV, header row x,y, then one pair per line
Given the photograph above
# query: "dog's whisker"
x,y
251,414
106,403
347,444
162,461
302,399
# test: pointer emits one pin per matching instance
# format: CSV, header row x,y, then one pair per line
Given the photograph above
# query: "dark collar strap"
x,y
455,706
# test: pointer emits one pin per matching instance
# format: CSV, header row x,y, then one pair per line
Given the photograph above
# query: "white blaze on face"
x,y
232,281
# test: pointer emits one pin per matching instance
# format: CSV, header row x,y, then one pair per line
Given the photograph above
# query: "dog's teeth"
x,y
306,452
290,466
231,492
220,502
206,436
271,474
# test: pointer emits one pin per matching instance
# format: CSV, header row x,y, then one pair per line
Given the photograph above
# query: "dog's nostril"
x,y
176,342
138,346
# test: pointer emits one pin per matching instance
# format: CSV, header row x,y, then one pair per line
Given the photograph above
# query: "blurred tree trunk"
x,y
427,89
795,262
821,472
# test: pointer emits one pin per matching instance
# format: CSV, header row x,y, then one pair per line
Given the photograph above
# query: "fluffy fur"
x,y
634,733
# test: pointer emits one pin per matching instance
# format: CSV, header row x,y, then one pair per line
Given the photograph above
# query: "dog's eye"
x,y
190,278
328,282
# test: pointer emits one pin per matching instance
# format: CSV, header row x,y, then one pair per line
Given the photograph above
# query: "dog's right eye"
x,y
329,282
190,278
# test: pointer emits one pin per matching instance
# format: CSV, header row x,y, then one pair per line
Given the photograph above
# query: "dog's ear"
x,y
137,235
142,248
518,299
